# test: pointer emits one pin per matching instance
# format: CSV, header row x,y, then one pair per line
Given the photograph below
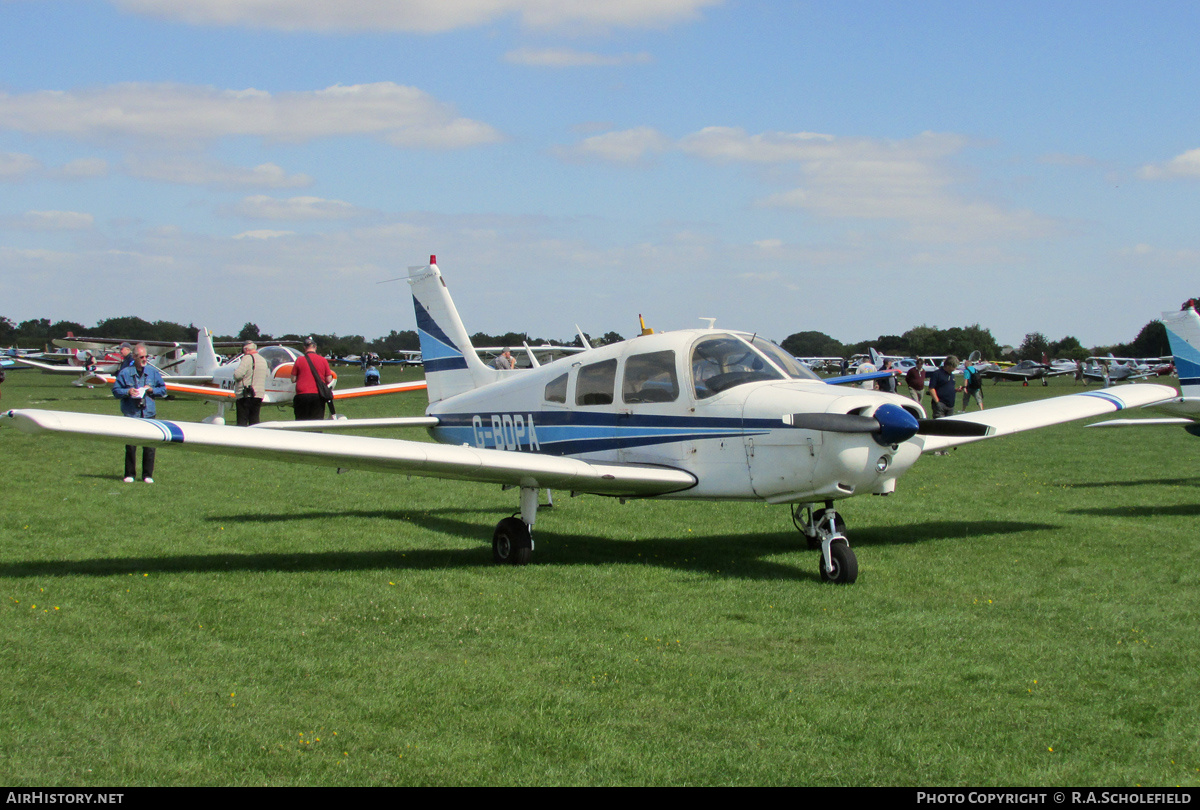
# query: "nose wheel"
x,y
825,529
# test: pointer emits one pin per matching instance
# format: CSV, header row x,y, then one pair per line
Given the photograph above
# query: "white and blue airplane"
x,y
1183,332
703,414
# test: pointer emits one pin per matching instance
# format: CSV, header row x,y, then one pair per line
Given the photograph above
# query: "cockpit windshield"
x,y
790,365
724,361
276,356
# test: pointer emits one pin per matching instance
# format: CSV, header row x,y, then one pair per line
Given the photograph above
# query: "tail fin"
x,y
206,355
451,364
1183,330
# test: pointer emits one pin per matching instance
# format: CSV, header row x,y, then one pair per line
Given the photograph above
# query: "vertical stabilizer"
x,y
1183,330
206,355
451,364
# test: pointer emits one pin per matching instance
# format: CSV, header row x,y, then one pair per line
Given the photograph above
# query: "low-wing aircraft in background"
x,y
1025,371
217,385
206,378
692,414
1108,370
1183,332
92,359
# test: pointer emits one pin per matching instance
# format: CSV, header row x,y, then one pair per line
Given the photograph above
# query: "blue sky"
x,y
856,168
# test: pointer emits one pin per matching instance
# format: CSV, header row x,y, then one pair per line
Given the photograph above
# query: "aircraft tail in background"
x,y
206,355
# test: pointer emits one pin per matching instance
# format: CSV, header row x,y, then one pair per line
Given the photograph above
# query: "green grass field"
x,y
1026,614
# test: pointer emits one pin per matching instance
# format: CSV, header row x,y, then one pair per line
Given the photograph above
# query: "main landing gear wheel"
x,y
845,565
512,542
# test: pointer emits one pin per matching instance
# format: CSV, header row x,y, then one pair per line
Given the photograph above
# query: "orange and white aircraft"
x,y
206,378
219,386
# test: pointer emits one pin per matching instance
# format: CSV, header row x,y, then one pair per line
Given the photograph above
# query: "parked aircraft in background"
x,y
704,414
1183,332
218,385
1107,370
1025,371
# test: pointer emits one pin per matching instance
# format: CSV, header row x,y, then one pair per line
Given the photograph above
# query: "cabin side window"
x,y
556,389
595,383
650,377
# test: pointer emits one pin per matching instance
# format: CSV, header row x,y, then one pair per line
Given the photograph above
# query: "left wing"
x,y
1052,411
368,453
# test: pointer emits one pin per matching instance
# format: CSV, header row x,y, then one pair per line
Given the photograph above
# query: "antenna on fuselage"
x,y
712,323
533,361
645,329
582,338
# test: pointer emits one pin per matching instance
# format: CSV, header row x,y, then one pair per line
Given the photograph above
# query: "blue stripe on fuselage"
x,y
574,433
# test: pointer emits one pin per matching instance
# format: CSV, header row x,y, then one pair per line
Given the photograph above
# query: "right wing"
x,y
369,453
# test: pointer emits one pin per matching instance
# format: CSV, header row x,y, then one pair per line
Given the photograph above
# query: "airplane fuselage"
x,y
669,400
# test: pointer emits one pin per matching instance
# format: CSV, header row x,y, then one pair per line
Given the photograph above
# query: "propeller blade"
x,y
891,424
949,427
833,422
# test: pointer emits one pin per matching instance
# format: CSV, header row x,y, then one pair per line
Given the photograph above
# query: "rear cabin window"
x,y
650,377
556,390
595,383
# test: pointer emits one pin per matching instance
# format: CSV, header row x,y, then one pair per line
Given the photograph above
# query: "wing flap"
x,y
369,453
324,425
1052,411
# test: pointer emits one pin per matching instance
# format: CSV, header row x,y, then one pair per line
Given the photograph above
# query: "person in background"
x,y
137,386
942,389
311,373
249,384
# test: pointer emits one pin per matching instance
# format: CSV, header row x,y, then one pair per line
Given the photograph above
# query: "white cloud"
x,y
15,166
49,221
622,146
203,173
1185,165
263,234
400,115
424,16
295,208
83,169
568,58
910,181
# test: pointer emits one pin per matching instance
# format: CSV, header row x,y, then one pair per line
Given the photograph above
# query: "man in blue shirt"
x,y
942,389
136,387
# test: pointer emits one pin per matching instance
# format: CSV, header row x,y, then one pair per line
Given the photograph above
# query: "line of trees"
x,y
921,340
925,341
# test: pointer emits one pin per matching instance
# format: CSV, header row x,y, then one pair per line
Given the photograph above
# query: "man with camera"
x,y
137,386
249,383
